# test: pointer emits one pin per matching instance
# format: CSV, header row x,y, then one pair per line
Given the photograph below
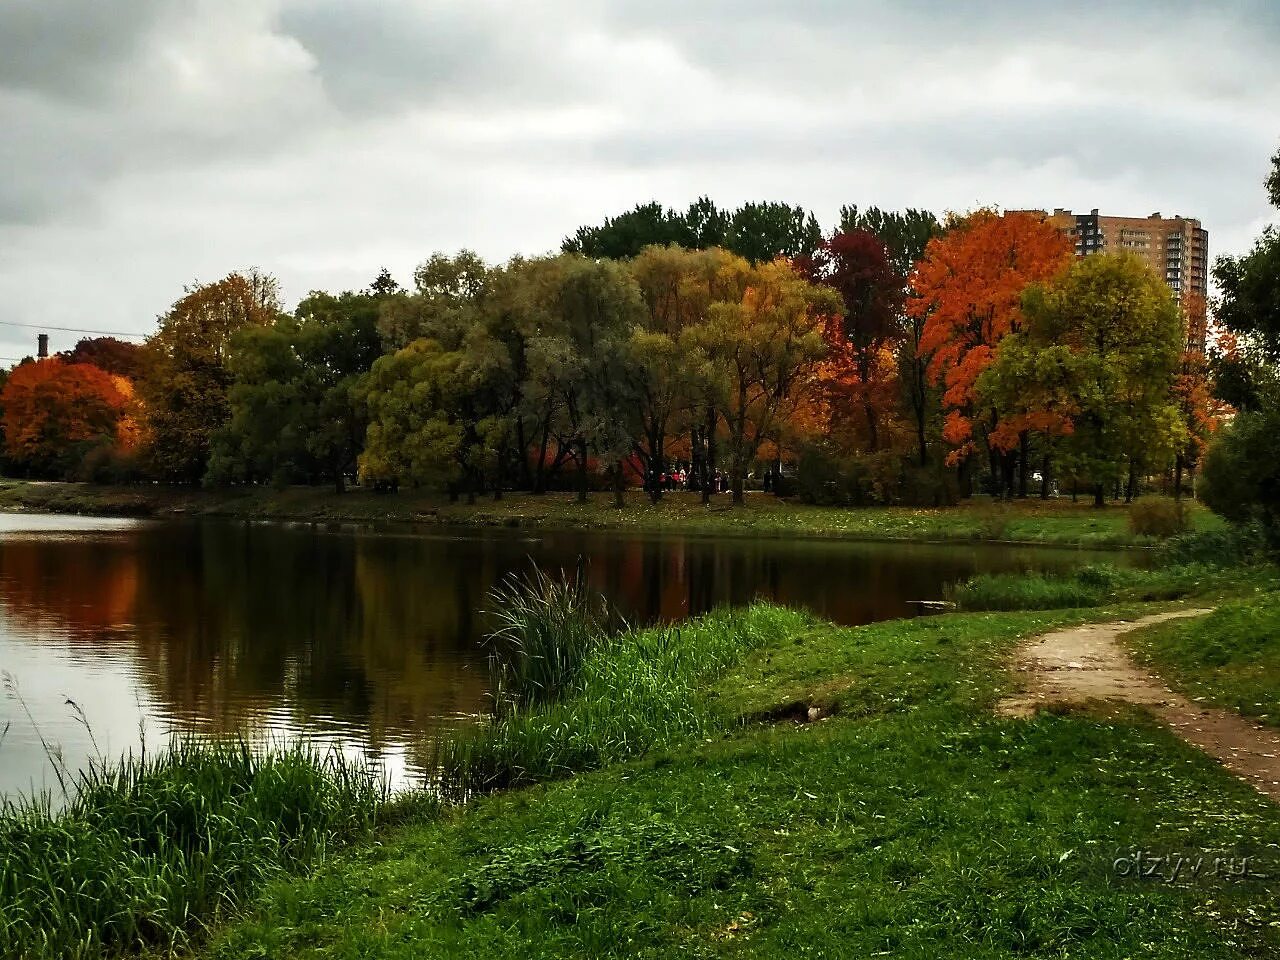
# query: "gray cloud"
x,y
62,47
150,142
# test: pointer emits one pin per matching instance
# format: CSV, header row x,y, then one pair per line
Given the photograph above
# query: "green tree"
x,y
445,304
678,287
579,316
293,413
762,232
1240,476
1249,294
905,234
184,389
1096,358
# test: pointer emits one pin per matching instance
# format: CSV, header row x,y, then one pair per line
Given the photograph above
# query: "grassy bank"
x,y
1033,522
838,792
1230,658
147,853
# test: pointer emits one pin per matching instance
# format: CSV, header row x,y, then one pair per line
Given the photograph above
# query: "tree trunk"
x,y
540,481
617,485
964,478
1024,443
1177,477
1132,486
582,471
1099,496
339,481
873,428
522,449
920,439
1045,485
709,463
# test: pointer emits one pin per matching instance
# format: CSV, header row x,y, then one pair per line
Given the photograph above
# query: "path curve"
x,y
1088,663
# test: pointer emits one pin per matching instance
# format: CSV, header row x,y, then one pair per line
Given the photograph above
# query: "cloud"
x,y
151,142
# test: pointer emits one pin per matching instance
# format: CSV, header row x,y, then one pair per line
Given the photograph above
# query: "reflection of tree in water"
x,y
85,588
230,622
363,632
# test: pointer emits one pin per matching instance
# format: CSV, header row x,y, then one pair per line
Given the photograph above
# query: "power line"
x,y
102,333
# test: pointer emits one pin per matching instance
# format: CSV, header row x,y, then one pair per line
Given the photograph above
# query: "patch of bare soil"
x,y
1088,663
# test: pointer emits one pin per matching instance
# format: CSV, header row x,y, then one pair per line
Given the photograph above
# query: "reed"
x,y
147,852
634,691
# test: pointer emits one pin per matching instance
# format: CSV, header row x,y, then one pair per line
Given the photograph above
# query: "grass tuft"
x,y
147,852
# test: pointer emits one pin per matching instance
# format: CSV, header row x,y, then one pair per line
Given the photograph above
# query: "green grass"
x,y
1099,584
634,692
148,852
1230,658
907,821
1031,522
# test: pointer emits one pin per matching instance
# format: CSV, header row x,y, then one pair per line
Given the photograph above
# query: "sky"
x,y
149,144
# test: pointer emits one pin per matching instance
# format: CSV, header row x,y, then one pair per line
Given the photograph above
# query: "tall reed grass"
x,y
546,627
145,853
633,691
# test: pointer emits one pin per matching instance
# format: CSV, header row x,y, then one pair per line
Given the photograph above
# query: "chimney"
x,y
42,346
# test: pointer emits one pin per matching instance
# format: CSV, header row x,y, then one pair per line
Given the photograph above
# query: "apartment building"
x,y
1176,248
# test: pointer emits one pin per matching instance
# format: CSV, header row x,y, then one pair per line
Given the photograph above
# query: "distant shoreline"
x,y
1030,523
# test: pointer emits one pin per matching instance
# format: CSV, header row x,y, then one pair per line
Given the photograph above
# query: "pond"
x,y
115,633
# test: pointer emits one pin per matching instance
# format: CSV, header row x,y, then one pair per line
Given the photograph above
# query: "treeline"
x,y
898,359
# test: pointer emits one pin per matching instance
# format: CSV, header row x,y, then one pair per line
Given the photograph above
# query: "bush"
x,y
1230,546
1158,517
1240,478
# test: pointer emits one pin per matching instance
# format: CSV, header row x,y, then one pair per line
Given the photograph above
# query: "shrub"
x,y
1240,477
1230,546
1158,517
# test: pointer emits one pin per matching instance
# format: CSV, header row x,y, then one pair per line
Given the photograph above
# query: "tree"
x,y
1097,360
968,292
1240,478
904,234
648,224
109,354
448,292
678,287
185,387
430,422
761,232
580,315
293,415
55,412
761,351
1249,293
856,265
1273,181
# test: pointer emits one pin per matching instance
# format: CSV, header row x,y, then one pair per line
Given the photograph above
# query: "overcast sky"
x,y
145,144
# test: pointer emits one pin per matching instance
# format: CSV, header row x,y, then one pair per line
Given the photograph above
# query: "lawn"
x,y
1029,521
904,820
1230,658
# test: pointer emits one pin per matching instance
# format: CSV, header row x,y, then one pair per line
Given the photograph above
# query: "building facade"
x,y
1176,248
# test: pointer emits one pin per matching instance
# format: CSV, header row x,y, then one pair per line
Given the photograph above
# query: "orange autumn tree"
x,y
968,290
54,412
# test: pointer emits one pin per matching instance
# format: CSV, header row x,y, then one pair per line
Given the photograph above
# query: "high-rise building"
x,y
1176,248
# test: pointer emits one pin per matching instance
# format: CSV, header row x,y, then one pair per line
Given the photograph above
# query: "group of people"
x,y
678,478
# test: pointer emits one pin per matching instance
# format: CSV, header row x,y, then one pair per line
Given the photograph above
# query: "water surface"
x,y
119,632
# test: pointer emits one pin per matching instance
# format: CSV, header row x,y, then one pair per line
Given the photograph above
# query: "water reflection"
x,y
364,639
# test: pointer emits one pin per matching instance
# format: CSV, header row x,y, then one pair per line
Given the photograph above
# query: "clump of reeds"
x,y
146,852
546,628
632,691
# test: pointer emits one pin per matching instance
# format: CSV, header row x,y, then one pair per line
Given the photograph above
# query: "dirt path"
x,y
1087,663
